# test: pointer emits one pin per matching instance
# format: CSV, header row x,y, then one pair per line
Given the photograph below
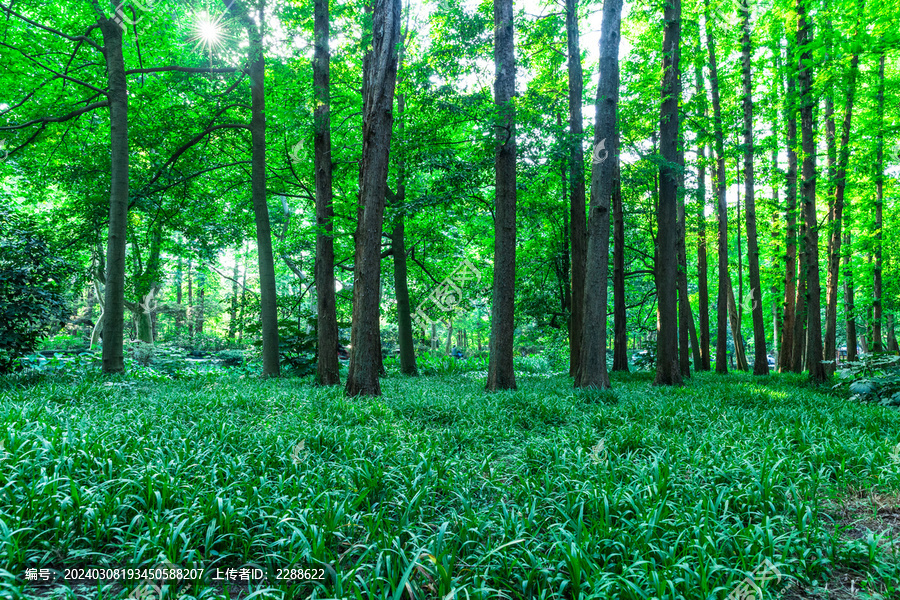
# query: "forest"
x,y
449,299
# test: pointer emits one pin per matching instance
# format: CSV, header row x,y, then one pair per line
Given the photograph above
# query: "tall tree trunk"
x,y
620,318
800,303
879,222
740,356
268,301
576,186
685,318
179,320
189,312
722,207
668,370
760,359
201,295
702,266
849,307
592,372
233,311
892,345
500,362
327,365
401,291
834,243
786,358
808,193
381,78
114,303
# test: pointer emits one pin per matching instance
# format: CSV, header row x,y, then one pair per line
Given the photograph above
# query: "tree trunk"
x,y
760,359
834,243
668,370
114,304
849,308
201,294
268,301
576,186
500,362
401,291
327,365
620,317
179,319
189,313
243,300
808,193
722,207
592,372
449,338
381,78
685,318
740,355
800,306
879,202
233,311
786,358
892,345
702,265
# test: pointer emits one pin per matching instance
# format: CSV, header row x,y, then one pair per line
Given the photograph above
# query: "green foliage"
x,y
872,378
33,299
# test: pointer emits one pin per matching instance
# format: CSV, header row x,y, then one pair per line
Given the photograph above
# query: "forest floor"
x,y
438,490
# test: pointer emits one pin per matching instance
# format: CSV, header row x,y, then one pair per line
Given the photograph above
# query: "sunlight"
x,y
208,31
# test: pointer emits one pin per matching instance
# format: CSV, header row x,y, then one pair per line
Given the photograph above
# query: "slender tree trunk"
x,y
879,221
740,356
268,301
327,365
834,242
702,267
576,186
243,300
500,362
892,345
620,317
786,358
179,320
849,308
760,360
401,291
724,279
189,312
592,372
685,318
232,313
201,295
668,370
381,77
449,338
808,193
114,303
800,304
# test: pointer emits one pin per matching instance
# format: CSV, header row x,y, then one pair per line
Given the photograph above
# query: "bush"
x,y
32,291
872,378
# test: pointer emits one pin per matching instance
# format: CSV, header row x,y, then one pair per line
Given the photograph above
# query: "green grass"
x,y
438,488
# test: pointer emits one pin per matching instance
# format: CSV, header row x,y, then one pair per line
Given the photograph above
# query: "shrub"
x,y
32,290
872,378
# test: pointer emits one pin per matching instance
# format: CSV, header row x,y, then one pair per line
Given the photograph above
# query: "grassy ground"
x,y
438,489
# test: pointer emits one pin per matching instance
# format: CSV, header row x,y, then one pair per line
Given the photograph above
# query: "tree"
x,y
760,360
327,366
380,72
500,362
879,211
592,372
668,370
702,265
576,187
808,194
786,360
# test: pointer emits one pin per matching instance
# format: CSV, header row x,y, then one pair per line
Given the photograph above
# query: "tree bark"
x,y
849,308
786,359
327,365
668,371
268,301
800,306
500,361
879,221
760,359
702,264
233,310
620,317
576,186
114,303
592,372
685,318
722,207
740,356
381,78
808,193
834,243
401,291
892,345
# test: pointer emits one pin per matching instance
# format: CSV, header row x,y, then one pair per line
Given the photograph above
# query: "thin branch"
x,y
76,38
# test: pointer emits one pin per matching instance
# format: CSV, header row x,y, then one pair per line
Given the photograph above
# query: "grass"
x,y
438,490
